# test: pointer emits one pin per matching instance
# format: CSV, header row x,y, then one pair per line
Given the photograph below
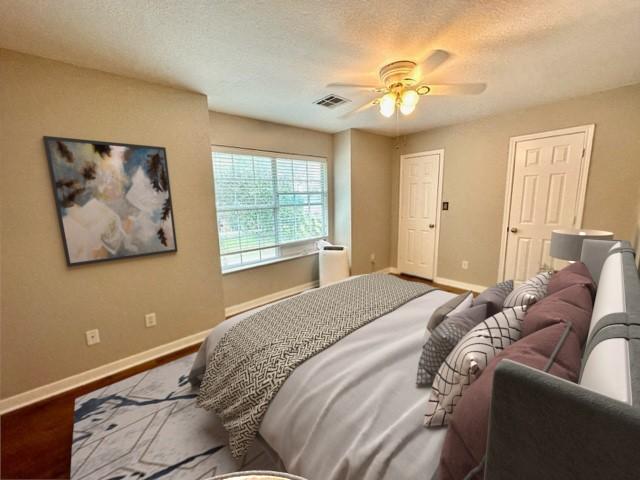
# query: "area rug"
x,y
148,427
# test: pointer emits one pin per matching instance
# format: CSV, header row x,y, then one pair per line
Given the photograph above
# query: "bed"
x,y
310,424
365,422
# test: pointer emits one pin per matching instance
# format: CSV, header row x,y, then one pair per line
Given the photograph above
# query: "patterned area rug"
x,y
148,427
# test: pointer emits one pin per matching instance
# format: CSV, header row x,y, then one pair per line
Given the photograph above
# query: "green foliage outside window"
x,y
265,202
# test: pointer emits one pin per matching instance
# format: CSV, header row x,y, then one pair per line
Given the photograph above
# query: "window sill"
x,y
268,262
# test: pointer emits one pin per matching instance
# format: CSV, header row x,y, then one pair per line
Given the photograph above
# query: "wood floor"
x,y
35,441
446,288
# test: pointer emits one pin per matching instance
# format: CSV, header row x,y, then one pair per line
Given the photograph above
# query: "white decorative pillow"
x,y
529,292
468,359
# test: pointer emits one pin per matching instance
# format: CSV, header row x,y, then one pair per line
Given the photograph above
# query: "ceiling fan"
x,y
402,85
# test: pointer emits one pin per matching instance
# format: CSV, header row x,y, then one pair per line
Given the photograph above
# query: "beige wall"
x,y
47,306
342,188
475,165
370,201
363,204
636,235
245,132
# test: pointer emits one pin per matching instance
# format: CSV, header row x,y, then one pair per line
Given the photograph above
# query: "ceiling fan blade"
x,y
361,108
456,88
353,85
431,62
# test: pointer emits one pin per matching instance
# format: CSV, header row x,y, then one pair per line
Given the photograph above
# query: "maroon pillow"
x,y
570,304
466,438
573,274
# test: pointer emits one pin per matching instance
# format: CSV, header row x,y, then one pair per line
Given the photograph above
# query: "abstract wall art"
x,y
113,199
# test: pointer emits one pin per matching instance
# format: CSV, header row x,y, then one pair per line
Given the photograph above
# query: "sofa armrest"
x,y
543,427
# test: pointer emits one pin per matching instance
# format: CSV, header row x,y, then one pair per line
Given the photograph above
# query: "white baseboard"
x,y
386,270
456,284
448,282
40,393
272,297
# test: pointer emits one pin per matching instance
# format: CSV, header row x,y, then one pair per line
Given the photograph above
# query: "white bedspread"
x,y
353,412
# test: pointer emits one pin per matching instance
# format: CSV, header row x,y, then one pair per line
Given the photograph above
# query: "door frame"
x,y
436,243
588,130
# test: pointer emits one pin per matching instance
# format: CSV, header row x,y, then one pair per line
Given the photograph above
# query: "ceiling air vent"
x,y
331,101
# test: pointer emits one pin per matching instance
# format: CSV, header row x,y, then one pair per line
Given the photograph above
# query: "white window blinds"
x,y
267,206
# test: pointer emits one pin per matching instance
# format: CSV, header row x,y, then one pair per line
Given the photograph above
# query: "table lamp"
x,y
566,244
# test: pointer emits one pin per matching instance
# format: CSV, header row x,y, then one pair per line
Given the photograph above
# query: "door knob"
x,y
432,225
514,230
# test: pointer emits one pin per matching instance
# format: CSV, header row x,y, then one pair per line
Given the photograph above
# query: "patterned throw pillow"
x,y
494,297
467,361
444,338
455,305
529,292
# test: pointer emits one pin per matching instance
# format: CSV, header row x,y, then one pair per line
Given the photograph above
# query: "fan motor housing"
x,y
398,73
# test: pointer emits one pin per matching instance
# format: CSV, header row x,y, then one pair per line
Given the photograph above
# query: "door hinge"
x,y
584,151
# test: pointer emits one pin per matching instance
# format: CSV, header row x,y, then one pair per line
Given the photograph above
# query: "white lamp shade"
x,y
566,244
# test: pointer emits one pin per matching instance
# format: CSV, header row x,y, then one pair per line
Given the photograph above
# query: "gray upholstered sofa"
x,y
542,427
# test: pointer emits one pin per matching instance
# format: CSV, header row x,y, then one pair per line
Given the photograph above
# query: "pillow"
x,y
455,305
572,274
570,304
530,291
444,338
466,439
494,297
468,359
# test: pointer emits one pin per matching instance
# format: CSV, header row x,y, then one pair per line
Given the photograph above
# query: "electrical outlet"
x,y
372,258
465,265
93,336
150,320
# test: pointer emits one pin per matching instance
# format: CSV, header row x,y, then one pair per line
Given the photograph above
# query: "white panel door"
x,y
419,177
545,196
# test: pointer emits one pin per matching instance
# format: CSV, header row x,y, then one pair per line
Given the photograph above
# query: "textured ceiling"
x,y
271,59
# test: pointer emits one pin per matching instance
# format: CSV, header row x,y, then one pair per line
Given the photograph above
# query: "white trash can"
x,y
333,264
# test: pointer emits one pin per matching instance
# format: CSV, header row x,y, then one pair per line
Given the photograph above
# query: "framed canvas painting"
x,y
113,199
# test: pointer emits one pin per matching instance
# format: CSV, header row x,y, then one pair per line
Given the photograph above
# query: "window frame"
x,y
306,247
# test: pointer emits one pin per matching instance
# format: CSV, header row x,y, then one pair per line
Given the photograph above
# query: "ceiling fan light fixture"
x,y
406,109
408,101
410,97
401,87
388,104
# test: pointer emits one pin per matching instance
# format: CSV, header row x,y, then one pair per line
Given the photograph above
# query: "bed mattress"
x,y
353,411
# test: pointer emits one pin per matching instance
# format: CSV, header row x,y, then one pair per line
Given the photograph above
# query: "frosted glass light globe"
x,y
407,109
388,104
410,97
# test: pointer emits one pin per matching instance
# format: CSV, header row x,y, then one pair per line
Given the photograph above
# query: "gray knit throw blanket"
x,y
254,358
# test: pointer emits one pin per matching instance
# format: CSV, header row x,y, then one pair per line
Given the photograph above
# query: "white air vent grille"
x,y
331,101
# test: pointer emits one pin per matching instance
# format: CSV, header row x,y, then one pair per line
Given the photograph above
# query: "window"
x,y
268,206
